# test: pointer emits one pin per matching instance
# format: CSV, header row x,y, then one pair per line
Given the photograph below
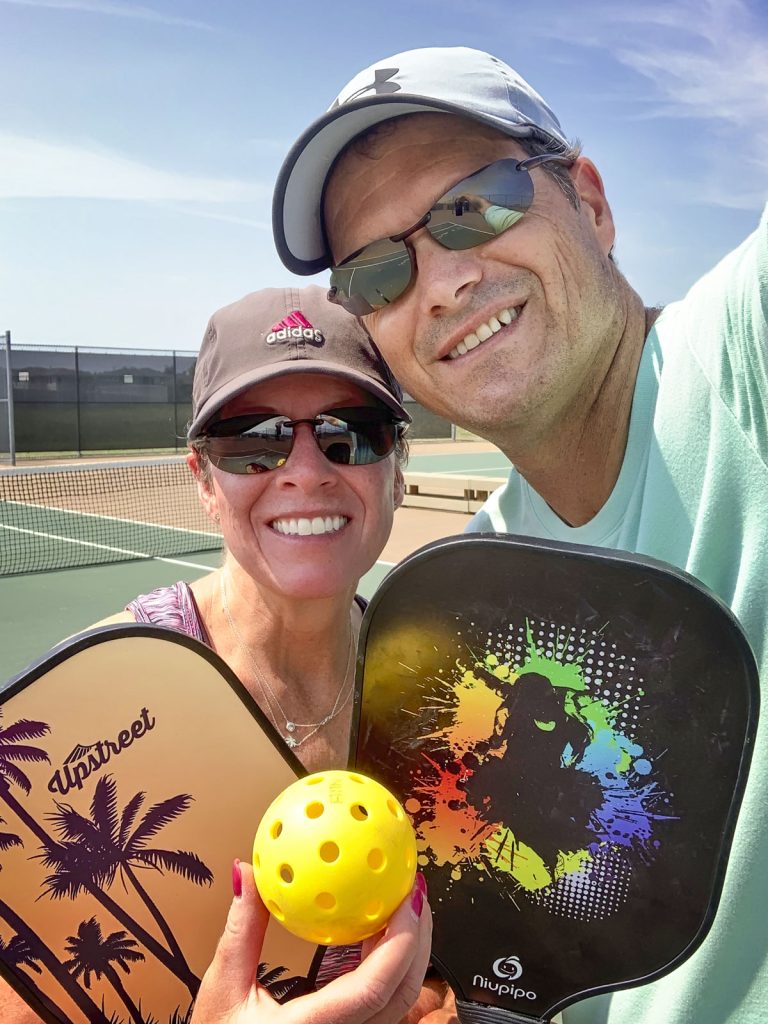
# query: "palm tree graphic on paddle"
x,y
92,953
94,849
91,850
27,950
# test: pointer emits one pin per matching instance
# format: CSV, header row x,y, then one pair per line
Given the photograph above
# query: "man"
x,y
475,241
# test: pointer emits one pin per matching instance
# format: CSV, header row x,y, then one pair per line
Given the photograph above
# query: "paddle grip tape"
x,y
477,1013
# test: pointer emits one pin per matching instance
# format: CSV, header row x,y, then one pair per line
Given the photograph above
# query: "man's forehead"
x,y
438,131
386,178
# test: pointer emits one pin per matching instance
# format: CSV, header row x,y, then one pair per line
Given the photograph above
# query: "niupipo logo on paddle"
x,y
85,759
510,968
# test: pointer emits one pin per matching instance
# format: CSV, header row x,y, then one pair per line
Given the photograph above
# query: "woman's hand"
x,y
380,991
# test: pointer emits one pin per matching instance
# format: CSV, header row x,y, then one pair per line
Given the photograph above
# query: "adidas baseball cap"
x,y
455,80
277,331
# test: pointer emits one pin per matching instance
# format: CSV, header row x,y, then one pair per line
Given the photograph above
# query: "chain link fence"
x,y
60,400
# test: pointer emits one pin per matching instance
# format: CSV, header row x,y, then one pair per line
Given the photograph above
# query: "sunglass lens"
x,y
482,206
375,278
240,445
355,442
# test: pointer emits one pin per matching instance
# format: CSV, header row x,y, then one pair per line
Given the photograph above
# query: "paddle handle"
x,y
478,1013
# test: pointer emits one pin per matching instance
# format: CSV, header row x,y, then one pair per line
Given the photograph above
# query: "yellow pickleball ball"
x,y
333,857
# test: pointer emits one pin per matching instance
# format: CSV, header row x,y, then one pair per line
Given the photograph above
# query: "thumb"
x,y
230,978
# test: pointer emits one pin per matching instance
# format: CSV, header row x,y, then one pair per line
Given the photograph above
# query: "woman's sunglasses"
x,y
258,442
476,210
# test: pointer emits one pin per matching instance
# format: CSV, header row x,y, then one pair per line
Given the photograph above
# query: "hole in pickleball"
x,y
356,778
409,860
256,862
325,900
395,809
376,860
286,873
315,780
314,810
358,812
275,911
373,910
329,852
276,829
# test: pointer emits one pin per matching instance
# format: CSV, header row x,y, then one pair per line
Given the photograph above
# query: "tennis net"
x,y
69,516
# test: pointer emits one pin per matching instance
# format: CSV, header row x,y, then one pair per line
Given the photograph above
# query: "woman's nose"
x,y
306,465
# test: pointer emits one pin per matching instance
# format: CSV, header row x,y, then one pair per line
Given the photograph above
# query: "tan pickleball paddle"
x,y
134,768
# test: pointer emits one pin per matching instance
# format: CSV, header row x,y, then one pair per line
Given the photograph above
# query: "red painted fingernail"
x,y
237,880
417,902
421,882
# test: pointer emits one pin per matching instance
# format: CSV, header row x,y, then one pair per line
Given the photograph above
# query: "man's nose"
x,y
445,278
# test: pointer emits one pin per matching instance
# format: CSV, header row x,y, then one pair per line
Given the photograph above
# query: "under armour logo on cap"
x,y
381,85
294,327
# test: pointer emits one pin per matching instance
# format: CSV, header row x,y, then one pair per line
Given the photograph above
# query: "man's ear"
x,y
589,185
399,487
204,490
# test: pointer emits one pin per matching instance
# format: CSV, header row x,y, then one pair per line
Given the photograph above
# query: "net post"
x,y
9,400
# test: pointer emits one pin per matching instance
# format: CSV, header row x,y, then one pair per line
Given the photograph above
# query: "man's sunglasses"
x,y
476,210
258,442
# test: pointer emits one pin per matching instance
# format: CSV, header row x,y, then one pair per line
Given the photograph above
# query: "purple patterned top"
x,y
175,608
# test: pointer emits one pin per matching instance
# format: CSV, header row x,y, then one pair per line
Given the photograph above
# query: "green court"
x,y
41,608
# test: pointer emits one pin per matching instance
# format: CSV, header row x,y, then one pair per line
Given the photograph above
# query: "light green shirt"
x,y
500,218
693,492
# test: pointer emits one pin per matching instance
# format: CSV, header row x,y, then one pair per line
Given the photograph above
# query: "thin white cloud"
x,y
722,77
36,168
704,60
117,10
228,218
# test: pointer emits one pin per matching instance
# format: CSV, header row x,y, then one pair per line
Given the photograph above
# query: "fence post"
x,y
9,400
175,409
77,404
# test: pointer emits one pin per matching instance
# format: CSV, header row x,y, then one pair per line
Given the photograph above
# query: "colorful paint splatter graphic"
x,y
534,776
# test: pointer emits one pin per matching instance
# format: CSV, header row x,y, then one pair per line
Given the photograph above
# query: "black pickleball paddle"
x,y
570,731
133,768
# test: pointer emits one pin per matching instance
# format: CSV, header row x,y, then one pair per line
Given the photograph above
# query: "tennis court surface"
x,y
77,542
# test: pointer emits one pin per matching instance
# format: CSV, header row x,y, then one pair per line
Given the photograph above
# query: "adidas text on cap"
x,y
454,80
280,331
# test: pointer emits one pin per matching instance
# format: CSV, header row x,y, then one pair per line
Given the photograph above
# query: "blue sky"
x,y
139,143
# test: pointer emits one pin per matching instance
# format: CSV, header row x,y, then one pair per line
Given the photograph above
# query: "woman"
x,y
295,442
296,436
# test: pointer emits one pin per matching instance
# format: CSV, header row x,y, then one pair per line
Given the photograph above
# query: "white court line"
x,y
127,551
459,472
102,547
109,519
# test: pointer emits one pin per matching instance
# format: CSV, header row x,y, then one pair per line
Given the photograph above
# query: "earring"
x,y
217,518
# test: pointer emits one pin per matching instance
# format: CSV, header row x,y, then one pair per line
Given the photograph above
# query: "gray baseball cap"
x,y
454,80
279,331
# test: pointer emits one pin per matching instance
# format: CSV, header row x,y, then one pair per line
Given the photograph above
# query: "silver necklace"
x,y
270,697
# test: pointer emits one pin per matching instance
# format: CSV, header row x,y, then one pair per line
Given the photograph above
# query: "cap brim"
x,y
240,384
297,204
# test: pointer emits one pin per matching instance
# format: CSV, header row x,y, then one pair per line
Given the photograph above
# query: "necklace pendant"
x,y
290,742
290,726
